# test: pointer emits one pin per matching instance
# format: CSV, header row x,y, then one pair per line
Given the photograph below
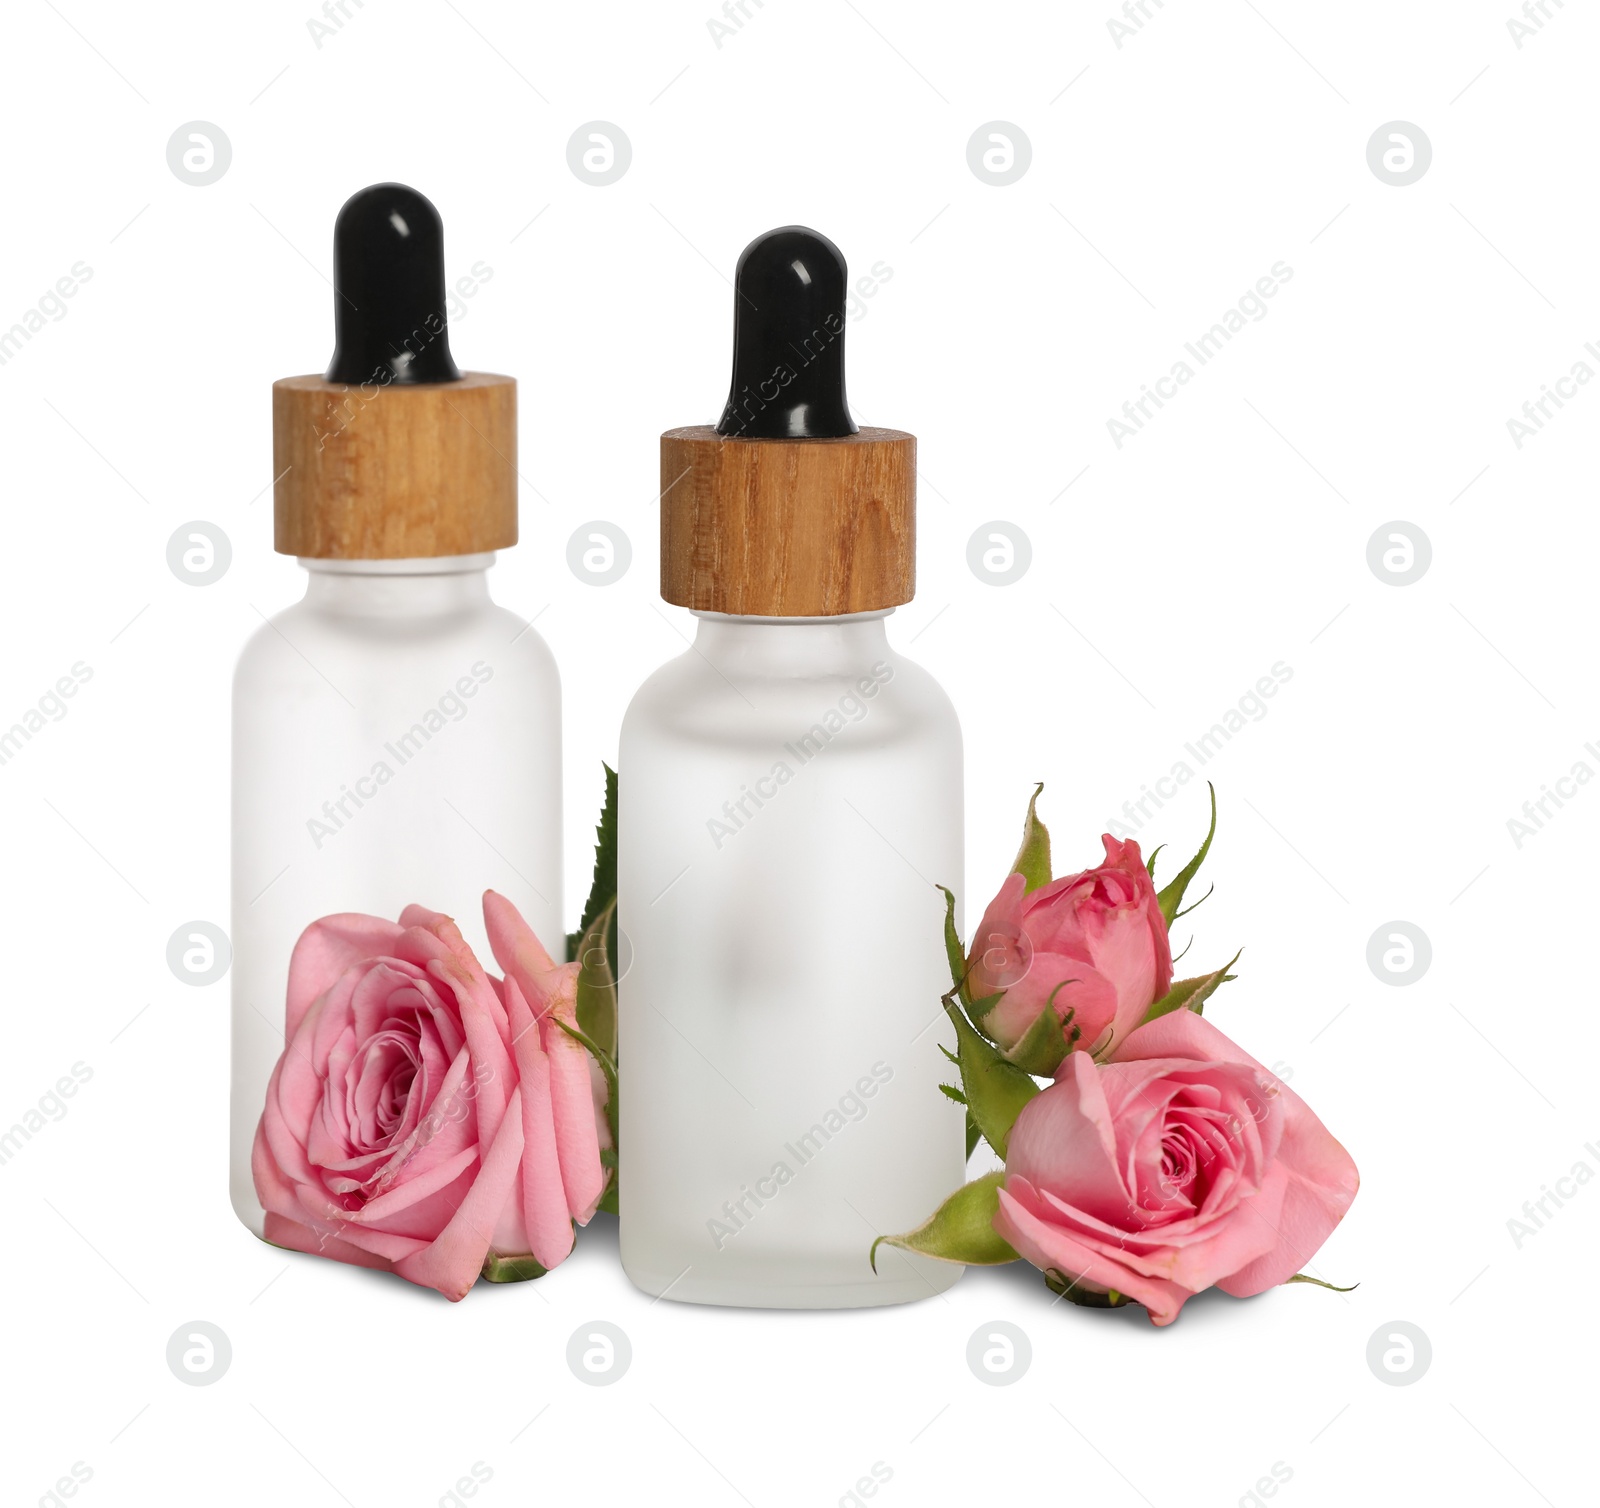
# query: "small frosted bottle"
x,y
790,797
396,736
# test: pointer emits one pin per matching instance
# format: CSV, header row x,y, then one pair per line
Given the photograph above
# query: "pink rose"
x,y
426,1115
1181,1164
1093,943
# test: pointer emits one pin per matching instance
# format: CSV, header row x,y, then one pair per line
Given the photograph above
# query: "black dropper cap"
x,y
389,299
788,340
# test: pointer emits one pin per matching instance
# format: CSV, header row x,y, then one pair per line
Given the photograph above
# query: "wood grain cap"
x,y
788,528
394,473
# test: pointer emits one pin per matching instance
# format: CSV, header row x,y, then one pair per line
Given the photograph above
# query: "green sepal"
x,y
499,1269
1192,993
952,946
1302,1277
976,1009
1170,898
603,887
950,1092
597,985
1150,863
996,1090
1203,899
960,1230
608,1200
978,1012
1040,1049
1090,1298
1033,858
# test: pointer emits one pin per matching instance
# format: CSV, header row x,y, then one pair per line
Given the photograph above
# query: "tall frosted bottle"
x,y
396,735
790,796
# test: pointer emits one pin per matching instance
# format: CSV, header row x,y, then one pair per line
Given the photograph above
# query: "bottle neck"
x,y
842,645
435,587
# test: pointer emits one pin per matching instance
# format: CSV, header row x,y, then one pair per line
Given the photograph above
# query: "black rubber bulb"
x,y
788,340
389,301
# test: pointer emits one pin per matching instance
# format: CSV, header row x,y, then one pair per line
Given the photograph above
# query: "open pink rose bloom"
x,y
1179,1164
426,1116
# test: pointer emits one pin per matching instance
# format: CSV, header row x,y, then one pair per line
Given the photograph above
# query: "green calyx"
x,y
498,1269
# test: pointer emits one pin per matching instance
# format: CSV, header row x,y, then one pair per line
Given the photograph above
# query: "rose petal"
x,y
452,1262
284,1232
545,1210
1064,1141
326,949
573,1104
1047,1246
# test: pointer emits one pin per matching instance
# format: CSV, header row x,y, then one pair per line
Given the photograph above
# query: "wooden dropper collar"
x,y
788,528
395,454
785,509
394,473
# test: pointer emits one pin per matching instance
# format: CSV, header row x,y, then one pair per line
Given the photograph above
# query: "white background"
x,y
1167,175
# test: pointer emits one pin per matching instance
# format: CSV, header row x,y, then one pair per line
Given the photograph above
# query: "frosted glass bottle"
x,y
396,738
789,797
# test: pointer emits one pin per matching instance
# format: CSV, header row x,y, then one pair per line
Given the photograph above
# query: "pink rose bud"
x,y
1179,1165
424,1115
1092,945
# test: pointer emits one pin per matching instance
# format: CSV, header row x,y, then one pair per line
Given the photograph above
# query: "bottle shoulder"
x,y
305,641
891,698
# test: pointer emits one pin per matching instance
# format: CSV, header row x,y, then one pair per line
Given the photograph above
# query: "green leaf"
x,y
1192,993
960,1230
603,887
511,1269
1033,858
996,1090
1041,1048
1302,1277
597,985
1171,898
1071,1289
